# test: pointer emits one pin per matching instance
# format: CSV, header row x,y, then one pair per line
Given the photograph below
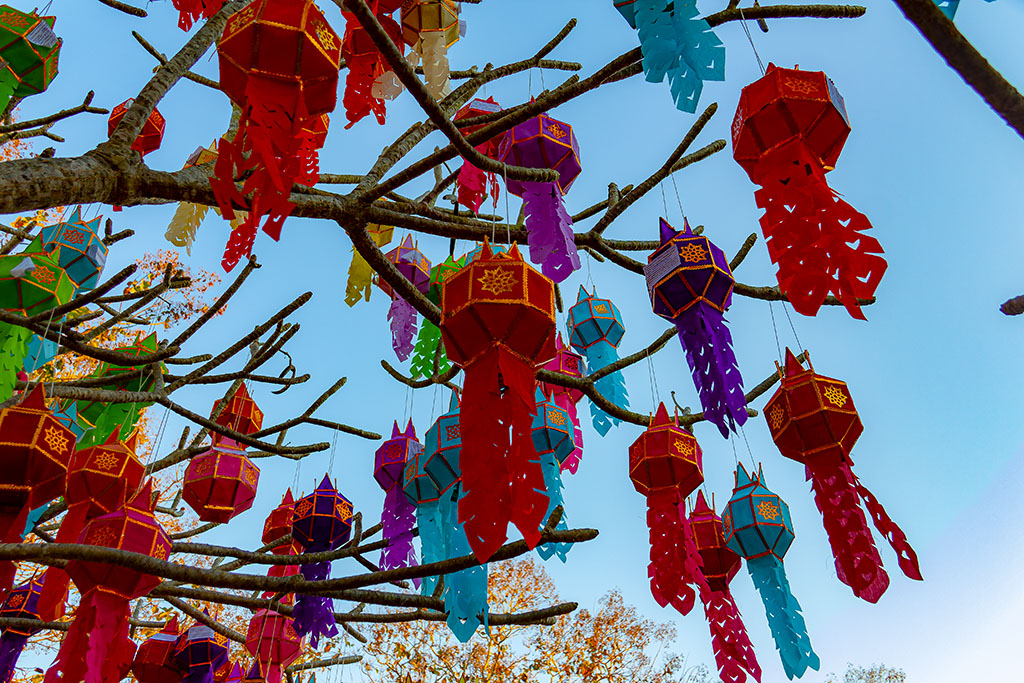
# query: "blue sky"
x,y
932,372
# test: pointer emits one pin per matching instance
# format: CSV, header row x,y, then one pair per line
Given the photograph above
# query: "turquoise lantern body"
x,y
595,330
553,440
80,249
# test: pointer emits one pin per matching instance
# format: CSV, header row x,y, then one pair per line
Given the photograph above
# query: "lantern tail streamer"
x,y
434,49
14,342
612,386
549,230
892,533
97,648
11,646
433,539
471,184
358,99
465,591
181,232
56,581
11,525
398,518
784,618
360,279
701,52
667,570
33,517
40,352
501,475
314,614
708,346
654,25
428,345
403,326
553,487
734,654
387,86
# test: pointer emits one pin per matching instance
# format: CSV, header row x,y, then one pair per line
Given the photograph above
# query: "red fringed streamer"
x,y
893,534
668,568
501,473
729,639
474,185
365,64
55,586
8,569
97,648
190,11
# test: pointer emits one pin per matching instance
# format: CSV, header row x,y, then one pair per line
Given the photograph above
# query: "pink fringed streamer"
x,y
893,534
670,566
403,326
398,518
729,639
96,648
573,460
502,477
549,229
8,569
472,185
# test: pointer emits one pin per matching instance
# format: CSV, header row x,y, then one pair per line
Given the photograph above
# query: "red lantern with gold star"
x,y
272,641
498,324
220,483
241,412
473,184
152,133
813,421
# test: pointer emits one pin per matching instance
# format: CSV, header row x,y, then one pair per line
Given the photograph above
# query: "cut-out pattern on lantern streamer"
x,y
813,421
399,514
360,275
414,267
366,84
596,329
690,283
29,50
566,398
553,440
789,129
279,62
430,27
429,349
190,11
473,185
181,231
543,142
758,527
498,322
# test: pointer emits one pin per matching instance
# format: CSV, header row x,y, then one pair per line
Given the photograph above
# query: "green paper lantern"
x,y
29,49
32,281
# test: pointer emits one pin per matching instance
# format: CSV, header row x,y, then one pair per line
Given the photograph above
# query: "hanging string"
x,y
543,87
650,376
663,200
778,346
743,433
678,200
590,279
433,403
743,21
785,308
334,446
295,479
407,405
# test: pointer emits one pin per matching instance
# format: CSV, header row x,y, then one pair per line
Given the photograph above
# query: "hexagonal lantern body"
x,y
152,133
552,429
436,468
430,16
665,458
440,273
358,43
391,458
80,250
720,563
785,106
21,603
241,412
31,281
478,107
104,476
29,48
542,142
756,521
498,299
322,520
281,42
279,523
811,417
201,649
272,641
411,263
685,270
567,363
154,660
592,320
220,483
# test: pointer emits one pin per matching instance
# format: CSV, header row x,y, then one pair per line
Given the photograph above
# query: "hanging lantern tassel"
x,y
553,441
758,527
190,11
399,514
415,267
368,84
181,232
428,347
549,230
465,591
14,343
360,275
403,326
387,86
433,47
595,330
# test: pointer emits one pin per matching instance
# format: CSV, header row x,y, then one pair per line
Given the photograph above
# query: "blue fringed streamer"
x,y
433,540
784,618
612,386
553,485
30,521
40,352
657,38
465,591
716,375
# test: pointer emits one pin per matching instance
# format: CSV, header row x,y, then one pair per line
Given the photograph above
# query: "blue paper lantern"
x,y
595,330
78,248
553,440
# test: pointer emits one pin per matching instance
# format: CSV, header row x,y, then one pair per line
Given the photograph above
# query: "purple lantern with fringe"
x,y
543,142
690,283
21,603
415,267
200,651
321,521
399,514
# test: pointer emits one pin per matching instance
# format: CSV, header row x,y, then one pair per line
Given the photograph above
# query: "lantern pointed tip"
x,y
394,430
582,294
793,366
288,498
666,231
454,402
660,417
143,500
513,252
171,627
742,478
36,398
410,430
326,484
702,504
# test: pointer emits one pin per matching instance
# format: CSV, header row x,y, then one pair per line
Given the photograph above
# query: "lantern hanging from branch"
x,y
273,643
35,449
221,483
472,185
553,440
428,347
360,274
399,515
665,465
677,44
366,64
277,525
40,352
414,267
498,323
200,651
543,142
241,413
154,660
29,53
21,603
566,398
690,283
813,421
595,329
789,129
80,249
279,62
734,653
152,133
321,521
758,527
430,27
190,11
97,647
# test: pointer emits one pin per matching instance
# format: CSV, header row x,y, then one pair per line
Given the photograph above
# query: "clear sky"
x,y
932,372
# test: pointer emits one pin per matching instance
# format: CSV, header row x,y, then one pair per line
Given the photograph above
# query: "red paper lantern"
x,y
152,133
365,65
498,323
789,129
665,464
813,421
220,483
272,641
241,412
279,523
474,184
279,62
97,646
154,660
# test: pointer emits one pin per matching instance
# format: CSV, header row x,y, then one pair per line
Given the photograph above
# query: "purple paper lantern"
x,y
21,603
200,651
399,514
415,267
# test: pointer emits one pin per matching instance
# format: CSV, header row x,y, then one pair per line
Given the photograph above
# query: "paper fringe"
x,y
716,375
553,487
360,274
428,345
433,47
897,540
53,594
734,653
387,86
191,11
96,648
183,226
501,474
40,352
549,231
667,569
14,341
359,100
433,540
10,532
314,614
465,591
784,618
612,386
398,519
403,326
11,645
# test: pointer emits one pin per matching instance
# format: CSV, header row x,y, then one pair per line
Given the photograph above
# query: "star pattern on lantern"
x,y
16,600
204,467
160,553
13,19
250,476
775,417
72,236
44,275
326,37
801,86
497,281
693,253
726,526
835,396
683,448
557,417
556,131
600,308
343,510
303,508
55,439
106,461
453,432
768,510
103,536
